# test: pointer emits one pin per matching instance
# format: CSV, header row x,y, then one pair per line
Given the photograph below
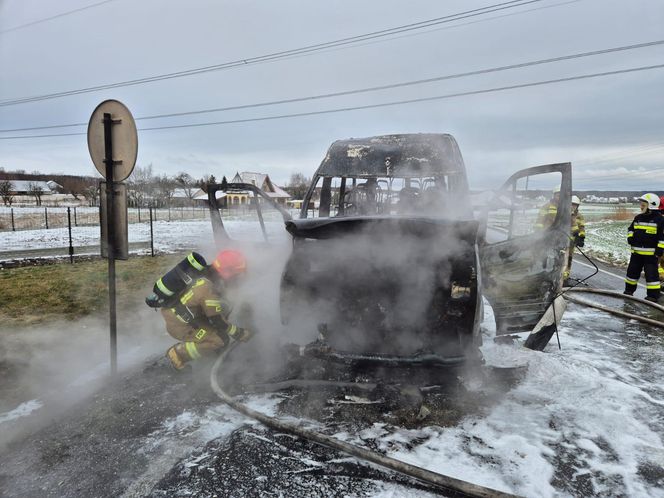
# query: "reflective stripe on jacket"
x,y
646,234
200,315
578,225
547,215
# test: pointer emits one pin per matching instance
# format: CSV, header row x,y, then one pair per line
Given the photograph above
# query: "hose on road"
x,y
614,311
439,481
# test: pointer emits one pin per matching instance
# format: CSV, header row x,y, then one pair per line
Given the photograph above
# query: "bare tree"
x,y
165,189
91,193
203,182
6,192
298,185
36,190
187,183
140,186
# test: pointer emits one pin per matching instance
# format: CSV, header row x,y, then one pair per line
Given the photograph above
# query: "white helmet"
x,y
651,199
576,200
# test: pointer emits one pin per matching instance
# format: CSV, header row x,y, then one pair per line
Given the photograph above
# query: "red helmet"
x,y
229,264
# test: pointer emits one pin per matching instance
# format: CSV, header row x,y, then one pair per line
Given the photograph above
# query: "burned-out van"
x,y
392,254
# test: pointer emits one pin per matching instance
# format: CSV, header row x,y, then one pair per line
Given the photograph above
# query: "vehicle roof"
x,y
402,155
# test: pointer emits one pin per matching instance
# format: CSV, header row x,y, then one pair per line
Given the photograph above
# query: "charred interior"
x,y
390,264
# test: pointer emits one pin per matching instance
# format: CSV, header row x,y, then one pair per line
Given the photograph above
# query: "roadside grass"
x,y
620,213
37,294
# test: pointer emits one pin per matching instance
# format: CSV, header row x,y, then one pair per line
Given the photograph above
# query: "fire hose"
x,y
434,479
614,311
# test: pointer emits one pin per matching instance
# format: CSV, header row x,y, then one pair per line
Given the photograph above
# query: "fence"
x,y
75,232
31,218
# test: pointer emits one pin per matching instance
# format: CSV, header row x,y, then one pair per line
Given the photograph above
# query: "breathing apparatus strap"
x,y
186,278
219,326
216,323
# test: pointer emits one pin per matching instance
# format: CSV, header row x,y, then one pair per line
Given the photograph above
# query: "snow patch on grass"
x,y
22,410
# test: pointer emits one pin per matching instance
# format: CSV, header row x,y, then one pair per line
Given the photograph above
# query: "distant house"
x,y
260,180
55,186
187,196
26,187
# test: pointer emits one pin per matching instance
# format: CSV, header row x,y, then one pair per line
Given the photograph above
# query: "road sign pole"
x,y
113,145
110,231
71,247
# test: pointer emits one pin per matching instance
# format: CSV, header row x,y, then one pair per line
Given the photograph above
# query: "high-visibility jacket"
x,y
646,234
547,215
578,225
200,319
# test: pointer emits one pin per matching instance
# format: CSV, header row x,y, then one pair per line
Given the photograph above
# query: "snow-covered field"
x,y
168,236
605,240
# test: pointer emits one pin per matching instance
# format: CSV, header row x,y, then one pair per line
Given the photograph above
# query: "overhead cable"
x,y
63,14
368,89
281,54
375,106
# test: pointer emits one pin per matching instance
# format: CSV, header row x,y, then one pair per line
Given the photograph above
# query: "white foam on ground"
x,y
571,403
22,410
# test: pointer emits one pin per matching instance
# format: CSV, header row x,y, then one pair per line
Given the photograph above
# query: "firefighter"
x,y
547,213
193,304
578,234
646,236
660,268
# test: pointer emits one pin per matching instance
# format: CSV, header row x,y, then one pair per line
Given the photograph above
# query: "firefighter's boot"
x,y
178,357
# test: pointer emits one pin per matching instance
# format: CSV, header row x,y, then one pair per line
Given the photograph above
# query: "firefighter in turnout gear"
x,y
646,236
547,213
578,234
192,301
660,269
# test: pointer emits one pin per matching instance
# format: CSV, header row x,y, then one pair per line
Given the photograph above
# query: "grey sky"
x,y
608,127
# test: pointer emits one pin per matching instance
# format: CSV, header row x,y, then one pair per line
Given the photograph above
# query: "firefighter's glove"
x,y
580,241
242,334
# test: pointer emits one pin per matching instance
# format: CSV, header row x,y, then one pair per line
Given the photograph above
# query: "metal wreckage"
x,y
391,275
393,269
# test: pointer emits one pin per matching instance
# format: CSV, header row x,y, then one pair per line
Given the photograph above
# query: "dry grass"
x,y
37,294
620,213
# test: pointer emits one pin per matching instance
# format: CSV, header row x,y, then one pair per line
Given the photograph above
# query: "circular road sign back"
x,y
123,133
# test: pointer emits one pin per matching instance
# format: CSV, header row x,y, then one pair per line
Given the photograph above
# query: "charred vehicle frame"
x,y
397,262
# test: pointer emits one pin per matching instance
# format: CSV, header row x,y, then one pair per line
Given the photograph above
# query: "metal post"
x,y
139,213
46,217
110,232
169,212
151,235
75,218
13,226
256,204
71,247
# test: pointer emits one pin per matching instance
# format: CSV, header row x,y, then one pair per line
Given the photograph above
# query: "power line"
x,y
369,89
39,21
375,106
282,54
619,155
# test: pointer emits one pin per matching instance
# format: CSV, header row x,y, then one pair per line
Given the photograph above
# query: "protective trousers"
x,y
647,264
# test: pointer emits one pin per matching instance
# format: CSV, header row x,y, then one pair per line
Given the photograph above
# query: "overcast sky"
x,y
609,127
